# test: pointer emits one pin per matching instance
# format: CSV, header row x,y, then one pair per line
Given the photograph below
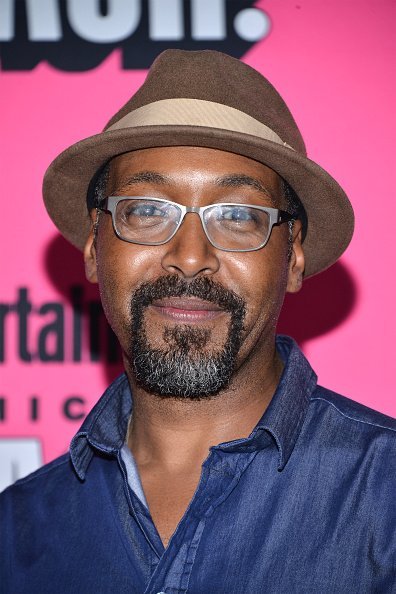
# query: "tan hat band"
x,y
196,112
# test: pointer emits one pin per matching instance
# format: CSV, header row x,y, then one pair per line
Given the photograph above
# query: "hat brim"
x,y
329,212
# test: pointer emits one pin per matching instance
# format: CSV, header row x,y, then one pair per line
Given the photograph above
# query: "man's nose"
x,y
189,253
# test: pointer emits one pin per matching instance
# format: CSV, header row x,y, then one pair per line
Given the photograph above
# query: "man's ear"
x,y
90,249
297,260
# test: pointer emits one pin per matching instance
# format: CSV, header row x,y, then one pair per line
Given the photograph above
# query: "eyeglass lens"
x,y
233,227
236,227
146,220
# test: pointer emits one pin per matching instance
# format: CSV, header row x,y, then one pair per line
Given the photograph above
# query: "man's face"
x,y
187,314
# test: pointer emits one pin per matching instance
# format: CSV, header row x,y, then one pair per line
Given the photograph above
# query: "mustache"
x,y
201,287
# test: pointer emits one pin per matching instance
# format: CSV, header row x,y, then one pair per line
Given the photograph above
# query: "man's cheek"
x,y
116,305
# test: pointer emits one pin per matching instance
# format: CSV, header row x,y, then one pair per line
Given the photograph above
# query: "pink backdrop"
x,y
334,63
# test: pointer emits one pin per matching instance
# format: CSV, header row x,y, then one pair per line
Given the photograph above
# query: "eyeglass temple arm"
x,y
285,217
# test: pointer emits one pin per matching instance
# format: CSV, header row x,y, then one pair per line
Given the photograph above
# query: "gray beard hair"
x,y
181,370
182,374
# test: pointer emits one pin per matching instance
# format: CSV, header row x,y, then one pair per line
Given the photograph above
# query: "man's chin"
x,y
191,376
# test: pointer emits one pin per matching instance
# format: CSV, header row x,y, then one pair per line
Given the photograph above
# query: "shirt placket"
x,y
220,476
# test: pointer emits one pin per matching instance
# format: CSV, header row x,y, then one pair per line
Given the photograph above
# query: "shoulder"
x,y
38,484
32,505
355,448
351,429
353,413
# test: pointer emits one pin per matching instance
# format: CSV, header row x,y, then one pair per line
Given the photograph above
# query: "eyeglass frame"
x,y
277,216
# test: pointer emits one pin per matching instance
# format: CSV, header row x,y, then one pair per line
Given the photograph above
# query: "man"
x,y
215,464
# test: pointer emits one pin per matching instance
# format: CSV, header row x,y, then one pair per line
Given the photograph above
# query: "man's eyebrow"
x,y
237,180
141,177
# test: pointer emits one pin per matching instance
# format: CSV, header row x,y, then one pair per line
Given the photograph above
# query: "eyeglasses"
x,y
229,227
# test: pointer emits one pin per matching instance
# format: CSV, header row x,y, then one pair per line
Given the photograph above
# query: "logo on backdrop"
x,y
53,333
75,35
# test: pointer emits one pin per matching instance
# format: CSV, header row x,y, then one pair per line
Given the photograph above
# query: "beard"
x,y
183,369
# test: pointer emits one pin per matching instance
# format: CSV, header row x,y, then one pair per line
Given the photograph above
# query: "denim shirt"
x,y
305,504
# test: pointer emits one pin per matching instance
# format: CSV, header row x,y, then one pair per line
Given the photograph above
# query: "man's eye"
x,y
238,214
143,211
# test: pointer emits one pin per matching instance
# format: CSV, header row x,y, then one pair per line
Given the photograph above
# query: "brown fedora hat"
x,y
205,99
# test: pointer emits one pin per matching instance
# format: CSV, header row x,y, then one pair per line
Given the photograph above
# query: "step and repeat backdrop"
x,y
65,67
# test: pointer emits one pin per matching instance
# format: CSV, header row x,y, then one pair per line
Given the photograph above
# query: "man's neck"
x,y
172,432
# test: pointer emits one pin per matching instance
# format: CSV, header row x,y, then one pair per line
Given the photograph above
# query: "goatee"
x,y
182,369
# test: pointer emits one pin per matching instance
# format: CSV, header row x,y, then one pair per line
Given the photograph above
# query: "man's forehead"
x,y
168,165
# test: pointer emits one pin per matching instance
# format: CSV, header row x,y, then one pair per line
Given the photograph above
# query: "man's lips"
x,y
187,309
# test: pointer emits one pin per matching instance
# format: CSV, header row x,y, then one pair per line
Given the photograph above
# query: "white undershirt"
x,y
133,474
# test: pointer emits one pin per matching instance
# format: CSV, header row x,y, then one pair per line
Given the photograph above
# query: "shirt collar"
x,y
283,419
105,427
286,412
